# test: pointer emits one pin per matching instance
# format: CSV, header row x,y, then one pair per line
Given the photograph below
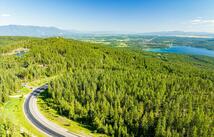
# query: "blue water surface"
x,y
184,50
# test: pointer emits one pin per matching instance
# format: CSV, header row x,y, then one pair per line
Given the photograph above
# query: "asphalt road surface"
x,y
37,119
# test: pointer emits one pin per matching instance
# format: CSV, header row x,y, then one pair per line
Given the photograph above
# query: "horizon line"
x,y
105,31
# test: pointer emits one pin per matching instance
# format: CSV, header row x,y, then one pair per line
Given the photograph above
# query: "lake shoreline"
x,y
183,50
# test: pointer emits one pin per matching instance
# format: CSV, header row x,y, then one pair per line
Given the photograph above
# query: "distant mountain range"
x,y
37,31
182,34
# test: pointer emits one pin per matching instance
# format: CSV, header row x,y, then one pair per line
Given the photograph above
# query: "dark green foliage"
x,y
8,129
7,40
120,92
137,102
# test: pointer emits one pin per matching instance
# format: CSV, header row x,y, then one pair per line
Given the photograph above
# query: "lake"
x,y
184,50
20,54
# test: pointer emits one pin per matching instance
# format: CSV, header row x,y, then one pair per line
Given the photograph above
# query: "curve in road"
x,y
37,119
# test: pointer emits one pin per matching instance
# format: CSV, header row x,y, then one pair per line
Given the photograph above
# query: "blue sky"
x,y
111,15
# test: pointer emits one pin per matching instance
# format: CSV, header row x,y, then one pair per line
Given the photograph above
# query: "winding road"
x,y
33,114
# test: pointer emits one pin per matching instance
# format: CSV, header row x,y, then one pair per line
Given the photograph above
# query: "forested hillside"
x,y
7,40
118,92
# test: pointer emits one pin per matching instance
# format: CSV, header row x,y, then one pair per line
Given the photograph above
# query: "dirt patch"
x,y
17,52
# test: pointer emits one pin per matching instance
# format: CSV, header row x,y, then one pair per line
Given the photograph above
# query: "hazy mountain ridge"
x,y
182,34
36,31
41,31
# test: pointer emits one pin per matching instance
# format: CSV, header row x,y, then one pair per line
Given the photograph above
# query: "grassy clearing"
x,y
23,91
13,108
37,83
64,122
41,81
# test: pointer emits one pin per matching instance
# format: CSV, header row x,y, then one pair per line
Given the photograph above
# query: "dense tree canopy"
x,y
118,92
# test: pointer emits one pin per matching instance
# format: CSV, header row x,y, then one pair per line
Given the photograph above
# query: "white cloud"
x,y
5,15
201,21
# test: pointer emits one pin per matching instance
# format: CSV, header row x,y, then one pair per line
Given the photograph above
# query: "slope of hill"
x,y
118,92
8,40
